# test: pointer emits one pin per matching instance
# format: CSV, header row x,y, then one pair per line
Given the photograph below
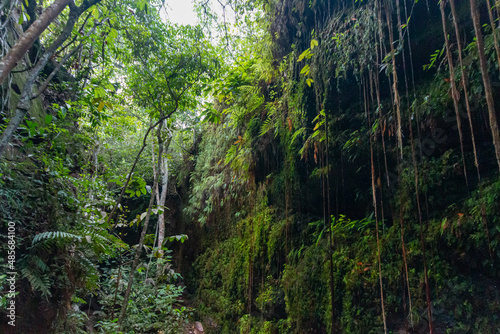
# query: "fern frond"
x,y
267,125
39,281
55,235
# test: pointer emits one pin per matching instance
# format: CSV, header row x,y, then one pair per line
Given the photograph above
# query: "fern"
x,y
58,235
267,125
37,272
296,134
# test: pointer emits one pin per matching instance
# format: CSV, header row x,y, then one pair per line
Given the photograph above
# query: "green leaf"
x,y
95,12
303,55
101,106
443,225
314,43
99,92
48,119
113,34
305,70
109,86
319,237
296,134
180,237
141,4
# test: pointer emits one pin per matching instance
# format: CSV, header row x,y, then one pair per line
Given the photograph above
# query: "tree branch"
x,y
54,72
24,103
29,37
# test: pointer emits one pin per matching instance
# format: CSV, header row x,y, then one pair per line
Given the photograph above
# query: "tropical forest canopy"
x,y
282,166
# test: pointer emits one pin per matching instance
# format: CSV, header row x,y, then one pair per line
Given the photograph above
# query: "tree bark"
x,y
464,84
454,92
29,37
486,79
138,252
493,30
24,103
397,100
163,198
374,201
422,238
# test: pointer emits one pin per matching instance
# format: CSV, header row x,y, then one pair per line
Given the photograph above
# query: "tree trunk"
x,y
454,92
464,84
29,37
24,103
374,199
397,100
422,238
163,197
493,30
486,79
138,252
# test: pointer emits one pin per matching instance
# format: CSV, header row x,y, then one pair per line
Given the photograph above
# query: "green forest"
x,y
279,166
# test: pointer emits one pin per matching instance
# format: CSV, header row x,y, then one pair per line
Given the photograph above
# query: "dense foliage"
x,y
308,167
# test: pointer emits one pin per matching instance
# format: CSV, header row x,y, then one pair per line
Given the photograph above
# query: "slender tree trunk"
x,y
330,235
397,99
382,120
154,170
328,208
163,197
486,79
464,84
138,252
321,90
405,263
117,288
422,239
493,30
403,244
374,198
497,7
327,223
10,60
144,143
454,92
